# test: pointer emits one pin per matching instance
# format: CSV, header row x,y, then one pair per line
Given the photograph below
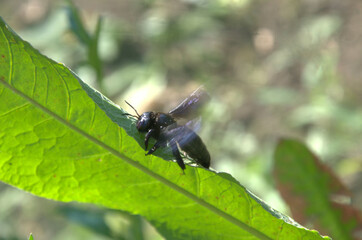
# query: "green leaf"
x,y
76,24
91,218
309,186
88,40
93,56
57,142
31,237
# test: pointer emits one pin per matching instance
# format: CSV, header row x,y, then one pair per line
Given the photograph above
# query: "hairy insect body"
x,y
152,123
164,128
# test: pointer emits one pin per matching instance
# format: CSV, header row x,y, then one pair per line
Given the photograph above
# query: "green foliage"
x,y
309,186
90,41
95,219
59,144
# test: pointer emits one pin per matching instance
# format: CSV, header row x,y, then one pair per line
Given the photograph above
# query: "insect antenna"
x,y
133,109
127,114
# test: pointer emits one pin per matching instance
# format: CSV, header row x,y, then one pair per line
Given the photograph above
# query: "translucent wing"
x,y
189,142
190,106
180,134
194,124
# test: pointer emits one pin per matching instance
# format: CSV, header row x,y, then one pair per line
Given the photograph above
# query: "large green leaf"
x,y
57,142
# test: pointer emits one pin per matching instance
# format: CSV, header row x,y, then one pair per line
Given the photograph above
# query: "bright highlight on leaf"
x,y
62,140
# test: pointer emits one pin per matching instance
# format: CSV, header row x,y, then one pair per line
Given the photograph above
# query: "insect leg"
x,y
157,145
149,134
176,154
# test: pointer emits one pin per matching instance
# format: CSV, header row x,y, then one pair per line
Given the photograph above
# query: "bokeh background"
x,y
273,68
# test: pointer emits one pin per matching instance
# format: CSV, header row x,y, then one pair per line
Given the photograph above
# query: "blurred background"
x,y
273,68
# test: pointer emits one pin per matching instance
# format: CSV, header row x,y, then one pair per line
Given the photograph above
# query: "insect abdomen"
x,y
196,149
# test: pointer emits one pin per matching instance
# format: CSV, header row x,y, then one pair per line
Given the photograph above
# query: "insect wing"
x,y
180,134
190,106
190,143
194,124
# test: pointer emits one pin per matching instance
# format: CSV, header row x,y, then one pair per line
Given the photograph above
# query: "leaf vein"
x,y
66,91
11,63
15,109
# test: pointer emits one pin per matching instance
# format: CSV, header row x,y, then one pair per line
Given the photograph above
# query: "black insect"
x,y
164,128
